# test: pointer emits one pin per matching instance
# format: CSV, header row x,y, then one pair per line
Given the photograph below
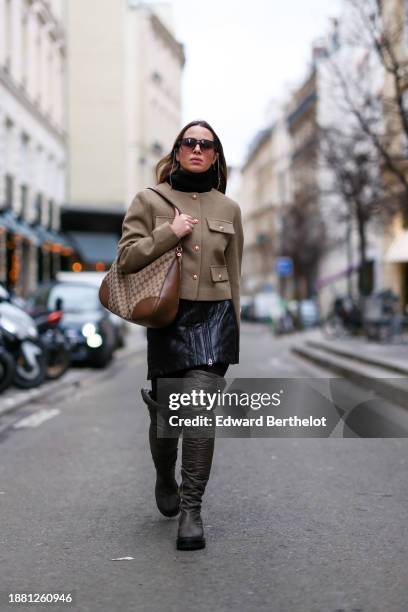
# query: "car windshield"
x,y
74,298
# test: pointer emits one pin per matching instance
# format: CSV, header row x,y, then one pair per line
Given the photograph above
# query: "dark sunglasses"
x,y
191,143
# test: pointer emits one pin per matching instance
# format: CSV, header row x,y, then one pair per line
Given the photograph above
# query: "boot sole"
x,y
190,543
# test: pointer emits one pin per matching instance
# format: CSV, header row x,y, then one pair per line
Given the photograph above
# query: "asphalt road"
x,y
291,524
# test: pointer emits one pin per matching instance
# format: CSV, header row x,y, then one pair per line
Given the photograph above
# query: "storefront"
x,y
94,236
397,258
29,255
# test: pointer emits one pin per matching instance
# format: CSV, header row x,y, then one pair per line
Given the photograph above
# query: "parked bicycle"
x,y
345,318
383,321
377,317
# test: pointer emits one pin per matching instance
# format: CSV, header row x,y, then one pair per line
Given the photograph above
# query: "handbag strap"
x,y
164,198
178,248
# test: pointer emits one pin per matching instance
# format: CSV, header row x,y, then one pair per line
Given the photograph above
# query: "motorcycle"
x,y
54,342
7,366
34,339
21,340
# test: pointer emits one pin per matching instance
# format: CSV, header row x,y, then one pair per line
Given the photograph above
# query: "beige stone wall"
x,y
265,187
156,97
96,98
32,135
395,14
32,118
123,98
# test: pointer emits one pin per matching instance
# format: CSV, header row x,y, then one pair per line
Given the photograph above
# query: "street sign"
x,y
284,266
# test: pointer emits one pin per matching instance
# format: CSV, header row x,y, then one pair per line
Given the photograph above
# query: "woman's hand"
x,y
183,224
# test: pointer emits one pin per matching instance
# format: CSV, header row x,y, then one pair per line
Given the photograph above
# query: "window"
x,y
156,77
9,191
51,213
37,207
75,298
38,59
404,218
24,200
157,148
24,158
404,136
8,33
405,17
24,48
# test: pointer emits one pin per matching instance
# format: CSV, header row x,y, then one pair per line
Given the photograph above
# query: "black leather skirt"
x,y
203,333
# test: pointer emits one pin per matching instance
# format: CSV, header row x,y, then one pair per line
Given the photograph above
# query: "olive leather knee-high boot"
x,y
164,454
197,455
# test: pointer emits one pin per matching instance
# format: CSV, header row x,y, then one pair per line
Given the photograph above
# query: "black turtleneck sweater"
x,y
183,180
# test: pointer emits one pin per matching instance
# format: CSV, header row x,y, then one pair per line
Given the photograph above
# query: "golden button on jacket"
x,y
212,253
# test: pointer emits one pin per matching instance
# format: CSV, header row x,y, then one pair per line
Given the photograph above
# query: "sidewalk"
x,y
393,357
378,366
14,398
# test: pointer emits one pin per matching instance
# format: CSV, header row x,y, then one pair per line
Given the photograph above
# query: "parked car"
x,y
267,306
305,313
247,307
95,278
86,322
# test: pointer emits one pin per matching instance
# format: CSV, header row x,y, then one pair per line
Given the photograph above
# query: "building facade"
x,y
395,262
265,189
124,111
32,141
302,125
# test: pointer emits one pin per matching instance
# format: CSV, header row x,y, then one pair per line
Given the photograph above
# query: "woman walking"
x,y
203,340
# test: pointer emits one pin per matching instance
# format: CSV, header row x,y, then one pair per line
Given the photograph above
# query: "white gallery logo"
x,y
209,401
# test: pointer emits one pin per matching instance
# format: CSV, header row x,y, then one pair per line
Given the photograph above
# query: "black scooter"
x,y
21,340
34,340
7,366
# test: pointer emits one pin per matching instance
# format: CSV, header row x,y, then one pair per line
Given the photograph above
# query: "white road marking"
x,y
36,419
123,559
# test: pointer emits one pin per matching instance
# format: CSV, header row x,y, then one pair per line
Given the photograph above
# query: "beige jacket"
x,y
212,253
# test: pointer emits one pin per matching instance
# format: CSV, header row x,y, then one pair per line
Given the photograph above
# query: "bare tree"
x,y
303,240
354,168
381,35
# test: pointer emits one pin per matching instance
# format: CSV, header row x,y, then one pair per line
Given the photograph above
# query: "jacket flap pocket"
x,y
218,225
219,273
160,219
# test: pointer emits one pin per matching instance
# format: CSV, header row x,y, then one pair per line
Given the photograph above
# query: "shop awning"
x,y
18,227
7,221
398,251
52,236
44,234
94,247
61,239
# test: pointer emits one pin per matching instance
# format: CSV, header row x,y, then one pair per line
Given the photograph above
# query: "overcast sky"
x,y
242,58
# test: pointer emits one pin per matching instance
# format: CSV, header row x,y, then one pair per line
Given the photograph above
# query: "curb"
x,y
387,364
385,383
71,378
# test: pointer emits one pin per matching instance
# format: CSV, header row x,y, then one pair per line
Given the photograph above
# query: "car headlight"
x,y
88,329
94,341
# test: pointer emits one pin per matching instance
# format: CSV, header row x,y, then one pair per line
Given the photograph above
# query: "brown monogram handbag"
x,y
149,297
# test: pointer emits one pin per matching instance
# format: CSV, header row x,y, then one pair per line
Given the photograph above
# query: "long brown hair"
x,y
165,165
